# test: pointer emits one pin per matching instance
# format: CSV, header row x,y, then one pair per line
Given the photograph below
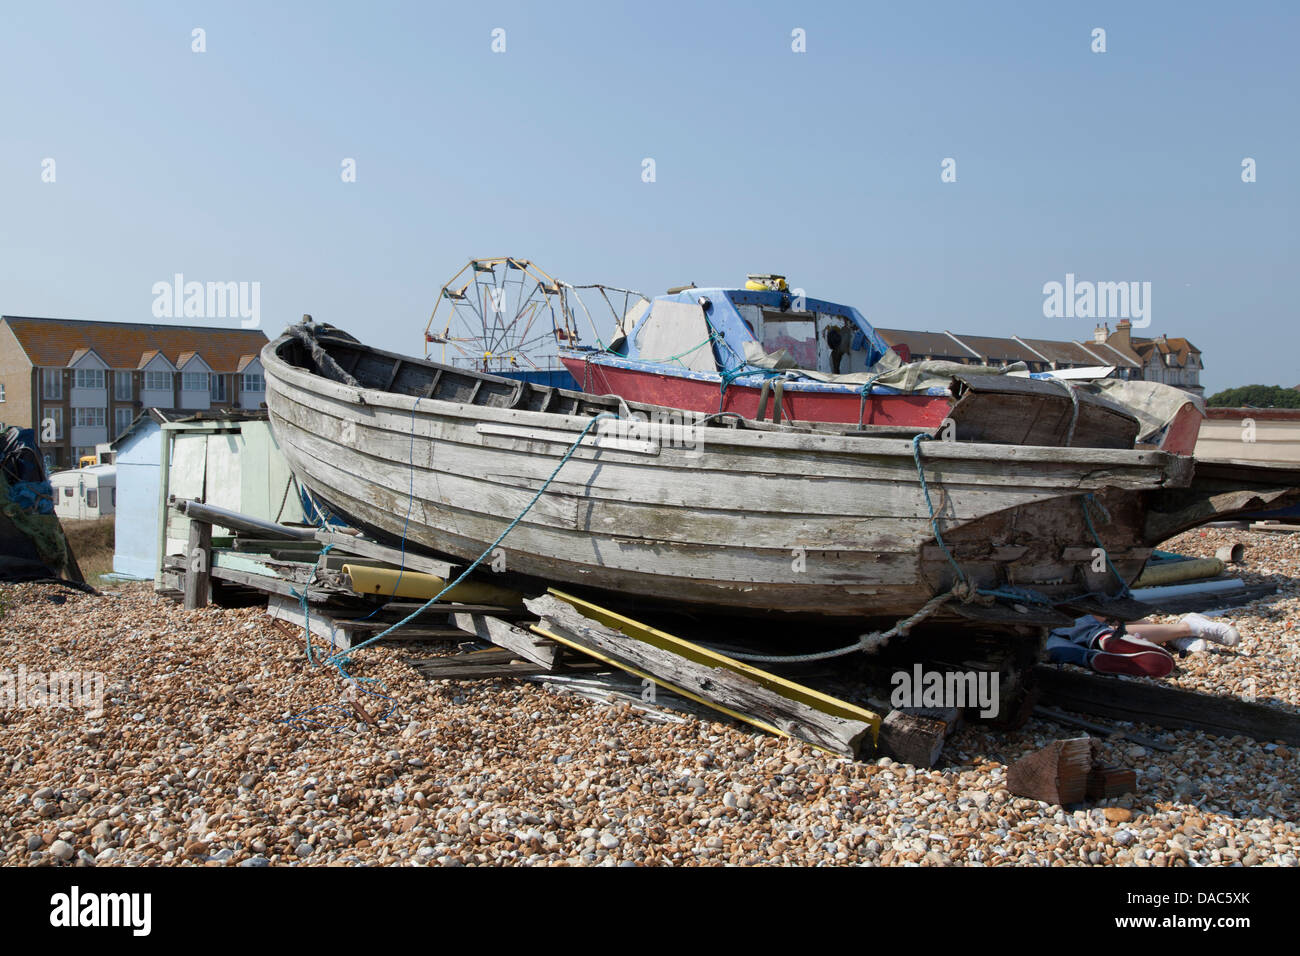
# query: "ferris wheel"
x,y
500,314
505,314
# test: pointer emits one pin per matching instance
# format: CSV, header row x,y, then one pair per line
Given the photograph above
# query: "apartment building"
x,y
1173,361
79,383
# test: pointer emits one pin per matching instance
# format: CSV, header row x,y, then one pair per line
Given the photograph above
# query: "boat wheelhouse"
x,y
766,352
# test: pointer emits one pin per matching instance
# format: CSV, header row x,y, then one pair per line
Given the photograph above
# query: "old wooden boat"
x,y
725,514
767,353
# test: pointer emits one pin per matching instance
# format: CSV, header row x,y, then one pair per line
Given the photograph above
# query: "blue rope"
x,y
306,620
925,489
1089,500
1013,592
862,398
303,719
338,658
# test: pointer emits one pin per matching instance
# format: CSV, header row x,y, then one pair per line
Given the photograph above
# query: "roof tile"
x,y
51,343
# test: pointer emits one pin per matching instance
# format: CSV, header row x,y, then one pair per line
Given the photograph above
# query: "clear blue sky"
x,y
824,166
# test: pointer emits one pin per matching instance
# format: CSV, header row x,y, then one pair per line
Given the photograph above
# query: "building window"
x,y
253,382
52,382
88,417
158,381
2,391
55,414
122,419
122,386
218,393
194,381
90,378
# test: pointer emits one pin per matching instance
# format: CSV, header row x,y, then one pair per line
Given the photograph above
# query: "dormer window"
x,y
90,378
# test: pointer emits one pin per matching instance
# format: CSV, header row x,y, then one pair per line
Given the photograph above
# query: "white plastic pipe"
x,y
1178,590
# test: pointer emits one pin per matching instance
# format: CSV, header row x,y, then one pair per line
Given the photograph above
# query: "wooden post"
x,y
912,738
198,570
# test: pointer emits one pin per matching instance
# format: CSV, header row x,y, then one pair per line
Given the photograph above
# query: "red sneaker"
x,y
1131,655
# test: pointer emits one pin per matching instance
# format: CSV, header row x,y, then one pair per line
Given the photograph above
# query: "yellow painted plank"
x,y
709,658
538,629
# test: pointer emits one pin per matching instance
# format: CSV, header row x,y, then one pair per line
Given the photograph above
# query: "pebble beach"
x,y
219,744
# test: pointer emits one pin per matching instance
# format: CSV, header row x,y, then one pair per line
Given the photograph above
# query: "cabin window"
x,y
92,498
67,492
796,332
112,496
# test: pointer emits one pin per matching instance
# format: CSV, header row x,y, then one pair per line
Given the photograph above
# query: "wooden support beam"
x,y
1069,720
366,548
912,738
541,651
326,628
1163,706
476,665
198,573
738,690
271,585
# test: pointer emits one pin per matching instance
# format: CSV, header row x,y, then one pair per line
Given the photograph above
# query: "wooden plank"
x,y
1069,720
1164,706
198,579
741,691
322,625
476,665
1275,527
295,572
1123,609
367,548
272,585
539,650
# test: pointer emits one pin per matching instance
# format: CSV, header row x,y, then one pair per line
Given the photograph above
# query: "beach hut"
x,y
231,461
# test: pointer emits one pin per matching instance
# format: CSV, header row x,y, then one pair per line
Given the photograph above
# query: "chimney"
x,y
1100,334
1120,337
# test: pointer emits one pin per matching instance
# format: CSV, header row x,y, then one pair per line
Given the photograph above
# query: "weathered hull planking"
x,y
752,519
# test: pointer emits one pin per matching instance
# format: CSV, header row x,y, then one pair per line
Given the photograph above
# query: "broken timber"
x,y
541,651
746,693
1164,706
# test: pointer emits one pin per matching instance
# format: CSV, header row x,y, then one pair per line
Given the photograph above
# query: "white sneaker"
x,y
1220,632
1189,645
